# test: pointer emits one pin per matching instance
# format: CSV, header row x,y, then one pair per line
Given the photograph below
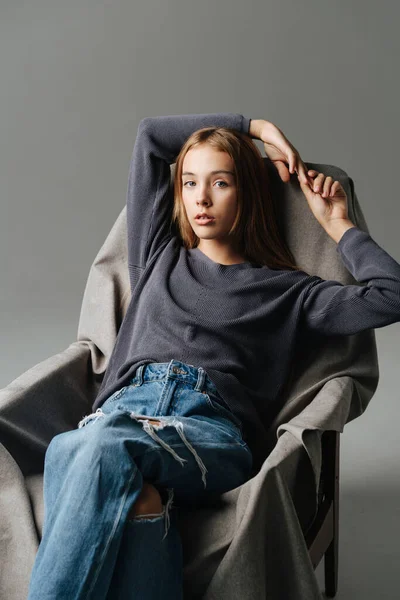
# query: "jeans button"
x,y
178,370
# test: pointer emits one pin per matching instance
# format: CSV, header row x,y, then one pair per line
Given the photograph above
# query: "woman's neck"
x,y
224,255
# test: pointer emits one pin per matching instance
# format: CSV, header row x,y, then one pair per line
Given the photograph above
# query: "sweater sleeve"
x,y
333,308
149,194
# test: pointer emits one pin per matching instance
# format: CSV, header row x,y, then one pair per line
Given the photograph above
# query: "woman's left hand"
x,y
326,198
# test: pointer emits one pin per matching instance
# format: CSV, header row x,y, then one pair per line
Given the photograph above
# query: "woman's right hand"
x,y
279,150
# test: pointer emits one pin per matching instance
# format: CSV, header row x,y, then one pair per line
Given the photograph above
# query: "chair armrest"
x,y
47,399
292,461
55,394
329,410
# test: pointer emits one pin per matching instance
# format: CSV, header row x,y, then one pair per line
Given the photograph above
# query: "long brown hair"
x,y
255,228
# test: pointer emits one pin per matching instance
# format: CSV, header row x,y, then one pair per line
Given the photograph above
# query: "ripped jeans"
x,y
94,474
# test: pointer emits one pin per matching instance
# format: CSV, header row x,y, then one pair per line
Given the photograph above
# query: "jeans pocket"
x,y
115,396
218,405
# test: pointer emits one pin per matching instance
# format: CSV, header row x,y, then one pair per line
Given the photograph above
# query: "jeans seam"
x,y
214,406
110,537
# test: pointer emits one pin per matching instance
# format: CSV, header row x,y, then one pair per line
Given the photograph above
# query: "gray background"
x,y
76,79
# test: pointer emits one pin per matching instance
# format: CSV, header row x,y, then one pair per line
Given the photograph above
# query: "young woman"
x,y
217,304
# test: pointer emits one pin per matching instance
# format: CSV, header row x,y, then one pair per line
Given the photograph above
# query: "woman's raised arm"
x,y
331,307
149,195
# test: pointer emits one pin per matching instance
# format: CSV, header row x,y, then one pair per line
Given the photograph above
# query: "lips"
x,y
204,220
202,215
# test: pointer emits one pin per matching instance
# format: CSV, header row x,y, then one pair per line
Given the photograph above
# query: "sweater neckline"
x,y
197,253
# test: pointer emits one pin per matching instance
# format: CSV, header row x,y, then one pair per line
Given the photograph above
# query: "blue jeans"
x,y
94,474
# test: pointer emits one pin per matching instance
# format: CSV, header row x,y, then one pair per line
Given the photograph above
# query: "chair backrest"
x,y
108,292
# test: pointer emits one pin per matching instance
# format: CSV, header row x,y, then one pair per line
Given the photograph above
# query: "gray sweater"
x,y
239,322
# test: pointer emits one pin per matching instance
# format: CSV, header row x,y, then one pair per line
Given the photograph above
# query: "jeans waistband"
x,y
175,369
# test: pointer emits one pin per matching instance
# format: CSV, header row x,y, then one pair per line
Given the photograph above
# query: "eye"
x,y
220,181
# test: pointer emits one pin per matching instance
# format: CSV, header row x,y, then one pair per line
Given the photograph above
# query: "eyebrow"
x,y
212,172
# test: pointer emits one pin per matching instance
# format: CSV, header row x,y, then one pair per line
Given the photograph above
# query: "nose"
x,y
202,195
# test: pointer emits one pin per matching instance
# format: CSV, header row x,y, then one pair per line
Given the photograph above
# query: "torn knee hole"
x,y
147,516
148,502
142,514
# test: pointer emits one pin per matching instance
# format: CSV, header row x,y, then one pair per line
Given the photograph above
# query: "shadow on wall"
x,y
369,528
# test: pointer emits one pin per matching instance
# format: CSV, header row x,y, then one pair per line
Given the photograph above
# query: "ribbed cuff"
x,y
246,124
351,236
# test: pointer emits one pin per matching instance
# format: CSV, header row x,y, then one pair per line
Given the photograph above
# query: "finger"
x,y
292,162
282,170
334,188
318,182
306,185
302,171
327,185
305,182
312,176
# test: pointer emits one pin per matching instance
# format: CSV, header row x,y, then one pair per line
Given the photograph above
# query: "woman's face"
x,y
206,189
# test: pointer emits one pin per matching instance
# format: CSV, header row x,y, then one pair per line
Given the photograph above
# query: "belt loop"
x,y
200,380
139,374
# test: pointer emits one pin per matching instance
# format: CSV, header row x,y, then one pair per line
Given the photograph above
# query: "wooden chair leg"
x,y
331,569
331,558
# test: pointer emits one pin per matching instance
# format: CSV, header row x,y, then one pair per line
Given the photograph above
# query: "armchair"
x,y
259,540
